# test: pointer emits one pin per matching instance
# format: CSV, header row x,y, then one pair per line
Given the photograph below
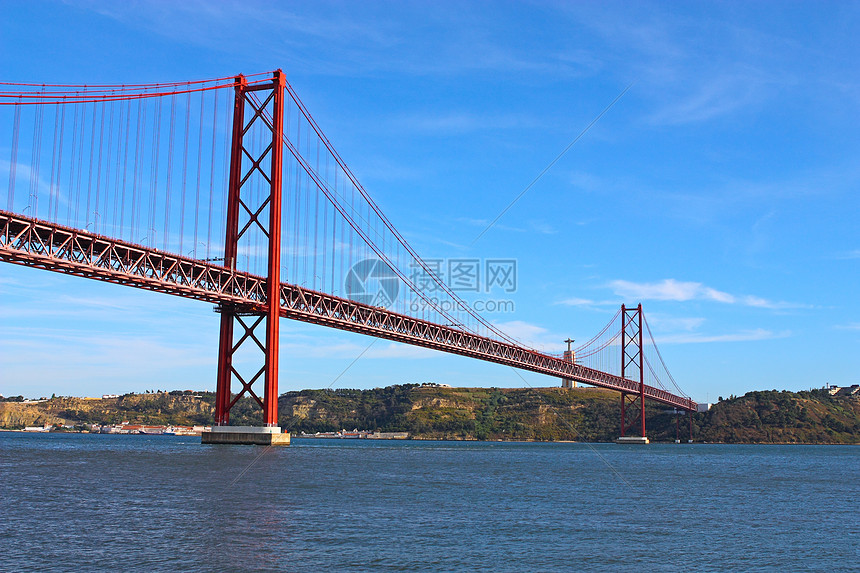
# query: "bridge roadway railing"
x,y
45,245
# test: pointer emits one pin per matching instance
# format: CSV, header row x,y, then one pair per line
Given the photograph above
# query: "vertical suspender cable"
x,y
288,122
123,187
212,175
90,176
199,161
110,190
340,247
184,174
60,158
80,169
99,169
13,160
171,131
117,188
151,231
305,219
296,204
225,164
316,222
324,268
53,159
72,163
35,159
136,166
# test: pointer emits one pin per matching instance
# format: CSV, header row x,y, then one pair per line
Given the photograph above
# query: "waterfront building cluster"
x,y
357,434
127,428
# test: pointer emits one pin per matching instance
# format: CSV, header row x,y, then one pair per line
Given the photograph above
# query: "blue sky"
x,y
720,190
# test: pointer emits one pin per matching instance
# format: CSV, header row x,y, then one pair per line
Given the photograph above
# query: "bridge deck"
x,y
45,245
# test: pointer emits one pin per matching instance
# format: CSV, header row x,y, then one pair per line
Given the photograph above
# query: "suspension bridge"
x,y
227,191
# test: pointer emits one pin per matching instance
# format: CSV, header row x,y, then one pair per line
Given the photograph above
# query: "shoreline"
x,y
454,440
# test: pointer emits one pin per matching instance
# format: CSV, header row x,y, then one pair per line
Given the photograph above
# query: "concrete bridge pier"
x,y
248,435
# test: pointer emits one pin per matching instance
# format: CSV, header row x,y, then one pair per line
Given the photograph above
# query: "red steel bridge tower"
x,y
256,158
632,368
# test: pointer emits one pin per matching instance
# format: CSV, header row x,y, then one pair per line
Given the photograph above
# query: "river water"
x,y
157,503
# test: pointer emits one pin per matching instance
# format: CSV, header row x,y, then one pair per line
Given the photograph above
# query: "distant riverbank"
x,y
430,412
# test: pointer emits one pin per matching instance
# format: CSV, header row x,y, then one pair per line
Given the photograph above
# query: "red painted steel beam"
x,y
241,193
273,291
45,245
225,339
623,412
641,370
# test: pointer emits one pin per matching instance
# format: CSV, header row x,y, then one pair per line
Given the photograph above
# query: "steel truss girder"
x,y
54,247
45,245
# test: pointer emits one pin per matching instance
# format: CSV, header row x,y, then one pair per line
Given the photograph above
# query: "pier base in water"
x,y
632,440
248,435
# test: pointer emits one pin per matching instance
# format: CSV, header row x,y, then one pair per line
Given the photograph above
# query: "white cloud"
x,y
532,226
460,123
715,97
532,335
398,350
349,39
577,302
671,323
668,289
588,304
542,228
121,357
681,291
315,348
742,336
855,254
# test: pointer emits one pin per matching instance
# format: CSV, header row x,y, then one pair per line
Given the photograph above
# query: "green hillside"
x,y
433,412
783,417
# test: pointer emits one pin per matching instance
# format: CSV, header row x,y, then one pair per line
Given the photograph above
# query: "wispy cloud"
x,y
532,335
668,289
588,304
116,355
682,291
732,198
674,323
577,302
397,350
718,97
347,39
686,79
682,330
378,168
531,226
310,347
855,254
742,336
450,122
852,326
